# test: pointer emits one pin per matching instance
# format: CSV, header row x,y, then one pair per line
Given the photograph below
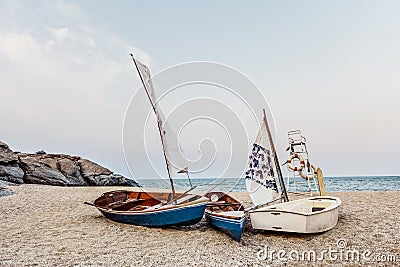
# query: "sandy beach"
x,y
50,225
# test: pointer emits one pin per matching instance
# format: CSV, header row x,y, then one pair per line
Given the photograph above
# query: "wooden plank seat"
x,y
213,204
119,204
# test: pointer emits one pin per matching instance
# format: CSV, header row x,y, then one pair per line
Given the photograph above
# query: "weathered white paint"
x,y
298,216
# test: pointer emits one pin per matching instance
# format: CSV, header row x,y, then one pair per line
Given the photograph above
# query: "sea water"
x,y
332,184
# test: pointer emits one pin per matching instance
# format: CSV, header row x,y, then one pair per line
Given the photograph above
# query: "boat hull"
x,y
232,227
175,216
293,217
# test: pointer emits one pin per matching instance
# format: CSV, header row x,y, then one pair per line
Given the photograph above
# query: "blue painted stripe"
x,y
144,212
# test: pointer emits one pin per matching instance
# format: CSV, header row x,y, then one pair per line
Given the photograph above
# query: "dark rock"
x,y
9,168
5,192
90,169
71,170
60,167
12,173
7,155
111,180
55,169
6,183
39,172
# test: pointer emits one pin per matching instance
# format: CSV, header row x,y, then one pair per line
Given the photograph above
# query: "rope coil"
x,y
309,176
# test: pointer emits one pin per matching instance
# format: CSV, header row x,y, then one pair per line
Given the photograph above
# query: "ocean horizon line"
x,y
328,176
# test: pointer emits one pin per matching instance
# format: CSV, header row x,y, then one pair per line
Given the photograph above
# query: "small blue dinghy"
x,y
225,213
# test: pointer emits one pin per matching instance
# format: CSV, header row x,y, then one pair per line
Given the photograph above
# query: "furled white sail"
x,y
260,175
175,157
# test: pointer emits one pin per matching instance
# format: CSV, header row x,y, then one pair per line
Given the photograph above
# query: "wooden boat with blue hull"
x,y
151,209
155,209
225,213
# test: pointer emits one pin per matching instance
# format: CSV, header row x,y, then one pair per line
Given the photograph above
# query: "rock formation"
x,y
55,169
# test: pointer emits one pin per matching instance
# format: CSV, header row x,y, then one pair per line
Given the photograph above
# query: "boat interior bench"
x,y
125,205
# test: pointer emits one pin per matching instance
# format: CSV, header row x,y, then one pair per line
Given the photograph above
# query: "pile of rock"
x,y
55,169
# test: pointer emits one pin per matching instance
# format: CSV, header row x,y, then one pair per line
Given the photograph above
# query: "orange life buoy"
x,y
290,164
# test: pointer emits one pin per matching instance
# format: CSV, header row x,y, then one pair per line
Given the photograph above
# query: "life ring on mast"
x,y
291,165
309,176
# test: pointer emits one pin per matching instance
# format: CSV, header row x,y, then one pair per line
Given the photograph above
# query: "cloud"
x,y
62,77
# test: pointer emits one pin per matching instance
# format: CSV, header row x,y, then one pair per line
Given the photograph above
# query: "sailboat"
x,y
308,215
225,213
153,209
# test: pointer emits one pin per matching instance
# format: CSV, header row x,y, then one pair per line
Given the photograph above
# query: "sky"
x,y
329,68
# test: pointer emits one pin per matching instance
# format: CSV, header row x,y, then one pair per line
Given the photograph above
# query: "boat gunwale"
x,y
217,214
271,208
226,218
149,211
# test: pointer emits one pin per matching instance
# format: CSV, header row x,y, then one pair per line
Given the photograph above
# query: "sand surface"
x,y
50,226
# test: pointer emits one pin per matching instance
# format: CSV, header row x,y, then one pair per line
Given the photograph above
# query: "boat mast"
x,y
160,128
278,167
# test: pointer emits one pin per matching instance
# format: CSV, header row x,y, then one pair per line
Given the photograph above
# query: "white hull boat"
x,y
309,215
